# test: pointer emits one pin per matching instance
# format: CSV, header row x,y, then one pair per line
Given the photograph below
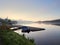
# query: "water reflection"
x,y
50,36
57,24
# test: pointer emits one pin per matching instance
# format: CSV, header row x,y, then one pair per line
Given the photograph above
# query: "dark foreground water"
x,y
50,36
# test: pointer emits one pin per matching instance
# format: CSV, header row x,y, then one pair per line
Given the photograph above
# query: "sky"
x,y
32,10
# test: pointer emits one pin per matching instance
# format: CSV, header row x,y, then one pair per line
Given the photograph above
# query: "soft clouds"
x,y
30,9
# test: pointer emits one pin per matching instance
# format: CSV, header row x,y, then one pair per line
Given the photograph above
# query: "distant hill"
x,y
57,22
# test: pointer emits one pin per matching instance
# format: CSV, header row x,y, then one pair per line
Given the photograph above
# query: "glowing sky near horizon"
x,y
33,10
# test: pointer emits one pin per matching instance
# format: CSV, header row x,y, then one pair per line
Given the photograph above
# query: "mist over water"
x,y
50,36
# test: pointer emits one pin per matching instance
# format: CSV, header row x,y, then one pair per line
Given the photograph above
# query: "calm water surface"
x,y
50,36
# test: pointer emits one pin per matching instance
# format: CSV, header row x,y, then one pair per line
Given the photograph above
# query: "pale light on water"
x,y
50,36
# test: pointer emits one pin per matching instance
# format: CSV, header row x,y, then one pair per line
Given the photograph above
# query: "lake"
x,y
50,36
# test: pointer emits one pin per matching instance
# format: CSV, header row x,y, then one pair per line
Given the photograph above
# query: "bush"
x,y
12,38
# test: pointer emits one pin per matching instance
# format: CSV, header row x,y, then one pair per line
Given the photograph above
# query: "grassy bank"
x,y
11,38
